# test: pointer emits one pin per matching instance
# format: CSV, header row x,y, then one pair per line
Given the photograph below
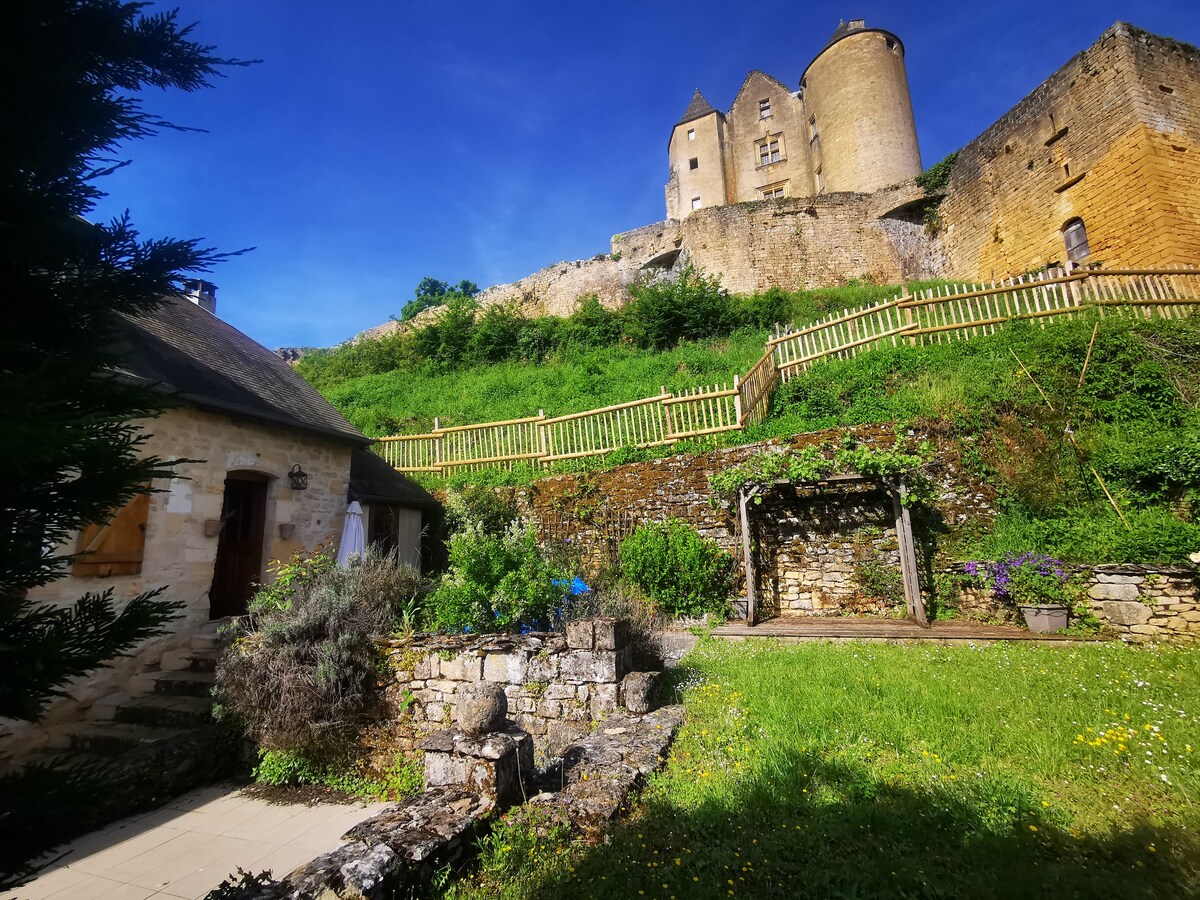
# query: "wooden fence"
x,y
948,313
960,312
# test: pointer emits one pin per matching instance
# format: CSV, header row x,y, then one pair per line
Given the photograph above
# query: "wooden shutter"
x,y
115,548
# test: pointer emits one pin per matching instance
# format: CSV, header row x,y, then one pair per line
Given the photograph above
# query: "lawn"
x,y
864,770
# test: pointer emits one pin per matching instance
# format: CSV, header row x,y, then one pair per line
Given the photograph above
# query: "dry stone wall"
x,y
809,542
1138,603
556,684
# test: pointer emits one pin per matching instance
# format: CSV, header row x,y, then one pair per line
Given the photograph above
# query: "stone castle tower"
x,y
848,128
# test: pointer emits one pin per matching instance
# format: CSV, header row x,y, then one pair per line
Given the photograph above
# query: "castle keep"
x,y
847,128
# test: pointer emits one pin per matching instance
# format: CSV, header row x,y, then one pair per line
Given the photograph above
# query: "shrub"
x,y
300,676
662,313
475,505
496,582
685,573
288,768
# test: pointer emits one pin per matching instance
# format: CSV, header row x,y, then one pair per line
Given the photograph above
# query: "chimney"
x,y
202,293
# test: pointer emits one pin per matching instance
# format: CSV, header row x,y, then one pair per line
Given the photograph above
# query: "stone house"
x,y
243,423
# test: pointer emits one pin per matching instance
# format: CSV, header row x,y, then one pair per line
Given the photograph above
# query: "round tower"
x,y
860,118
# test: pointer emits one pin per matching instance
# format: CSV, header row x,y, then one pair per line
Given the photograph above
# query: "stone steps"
x,y
116,738
186,683
167,711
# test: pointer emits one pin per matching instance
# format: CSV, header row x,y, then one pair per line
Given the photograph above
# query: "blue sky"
x,y
379,142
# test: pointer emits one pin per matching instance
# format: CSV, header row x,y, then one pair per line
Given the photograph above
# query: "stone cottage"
x,y
267,469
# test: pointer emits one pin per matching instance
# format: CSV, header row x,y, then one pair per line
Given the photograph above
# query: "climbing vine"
x,y
811,464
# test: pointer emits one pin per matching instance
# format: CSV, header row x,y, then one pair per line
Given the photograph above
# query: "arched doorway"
x,y
239,561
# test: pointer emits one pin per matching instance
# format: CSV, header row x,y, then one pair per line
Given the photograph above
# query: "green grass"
x,y
406,401
861,770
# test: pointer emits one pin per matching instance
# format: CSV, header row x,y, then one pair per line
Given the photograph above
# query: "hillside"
x,y
1134,418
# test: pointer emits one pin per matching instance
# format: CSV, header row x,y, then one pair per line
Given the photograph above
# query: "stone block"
x,y
508,668
558,691
639,691
1123,592
589,666
1124,612
542,667
426,667
610,634
1146,629
464,667
580,635
495,766
549,709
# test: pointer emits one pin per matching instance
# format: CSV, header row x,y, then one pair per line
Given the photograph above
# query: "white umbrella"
x,y
353,541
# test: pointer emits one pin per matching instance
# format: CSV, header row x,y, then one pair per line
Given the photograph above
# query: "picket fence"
x,y
937,315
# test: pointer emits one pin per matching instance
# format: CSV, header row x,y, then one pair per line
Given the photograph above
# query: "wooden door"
x,y
239,548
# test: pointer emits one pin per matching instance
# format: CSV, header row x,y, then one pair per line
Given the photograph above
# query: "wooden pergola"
x,y
895,488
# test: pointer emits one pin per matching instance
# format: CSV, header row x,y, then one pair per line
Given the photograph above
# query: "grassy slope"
x,y
406,402
884,771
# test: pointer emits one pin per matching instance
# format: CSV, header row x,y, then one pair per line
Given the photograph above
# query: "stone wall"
x,y
1139,603
809,541
179,555
557,685
555,290
1112,137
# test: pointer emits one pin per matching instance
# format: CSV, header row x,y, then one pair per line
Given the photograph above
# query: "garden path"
x,y
186,848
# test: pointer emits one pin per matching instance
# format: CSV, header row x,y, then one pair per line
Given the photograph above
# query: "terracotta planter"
x,y
1045,618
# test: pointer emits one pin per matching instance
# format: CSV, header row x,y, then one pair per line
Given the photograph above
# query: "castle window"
x,y
812,129
764,109
691,134
773,192
820,179
693,163
891,44
1075,238
768,151
695,203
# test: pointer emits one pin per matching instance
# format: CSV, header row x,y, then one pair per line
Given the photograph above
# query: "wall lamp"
x,y
299,478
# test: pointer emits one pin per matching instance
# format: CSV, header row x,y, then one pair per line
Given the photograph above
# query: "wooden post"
x,y
908,555
748,557
908,313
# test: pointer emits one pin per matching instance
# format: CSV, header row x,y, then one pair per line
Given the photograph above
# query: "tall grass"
x,y
407,402
857,770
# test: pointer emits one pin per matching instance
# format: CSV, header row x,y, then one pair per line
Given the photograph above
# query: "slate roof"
x,y
206,362
697,109
372,480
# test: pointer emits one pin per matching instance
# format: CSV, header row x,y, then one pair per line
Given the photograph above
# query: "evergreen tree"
x,y
69,455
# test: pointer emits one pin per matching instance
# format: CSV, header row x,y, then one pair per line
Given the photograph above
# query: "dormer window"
x,y
764,109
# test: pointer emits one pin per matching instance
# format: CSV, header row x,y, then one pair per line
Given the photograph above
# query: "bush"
x,y
662,313
300,676
496,582
685,573
475,505
288,768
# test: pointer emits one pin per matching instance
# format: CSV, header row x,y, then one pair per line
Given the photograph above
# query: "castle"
x,y
848,128
1099,165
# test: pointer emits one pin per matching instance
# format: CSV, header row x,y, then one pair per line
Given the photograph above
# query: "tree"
x,y
69,455
430,292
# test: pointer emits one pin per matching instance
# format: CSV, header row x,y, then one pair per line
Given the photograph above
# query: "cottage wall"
x,y
180,556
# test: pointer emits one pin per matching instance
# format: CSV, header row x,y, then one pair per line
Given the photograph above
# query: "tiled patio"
x,y
185,849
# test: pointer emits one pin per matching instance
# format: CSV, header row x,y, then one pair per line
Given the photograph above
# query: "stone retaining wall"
x,y
556,685
1139,603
